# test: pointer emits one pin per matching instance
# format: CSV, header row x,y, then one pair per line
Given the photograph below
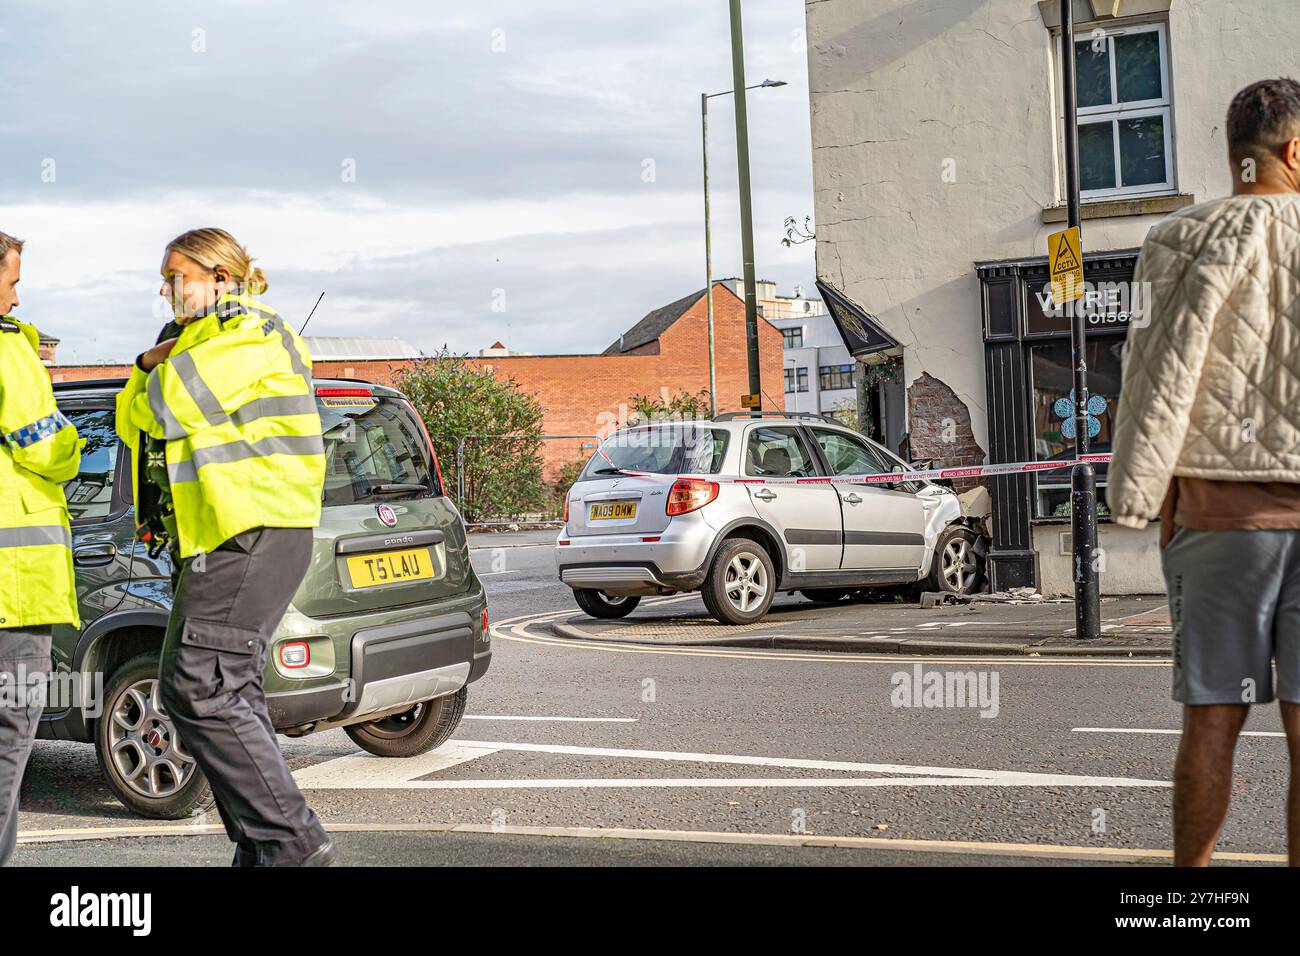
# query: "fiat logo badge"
x,y
387,515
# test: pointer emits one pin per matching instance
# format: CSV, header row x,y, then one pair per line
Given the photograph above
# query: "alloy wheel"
x,y
145,750
959,565
746,582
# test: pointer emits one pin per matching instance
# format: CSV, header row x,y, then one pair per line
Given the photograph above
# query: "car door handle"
x,y
853,498
765,495
94,555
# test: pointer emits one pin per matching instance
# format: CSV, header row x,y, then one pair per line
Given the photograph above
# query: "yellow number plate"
x,y
616,509
390,567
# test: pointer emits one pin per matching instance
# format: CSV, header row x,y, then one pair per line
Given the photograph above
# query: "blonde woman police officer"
x,y
223,424
38,451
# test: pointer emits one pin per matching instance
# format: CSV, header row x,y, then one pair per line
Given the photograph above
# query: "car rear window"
x,y
662,450
371,444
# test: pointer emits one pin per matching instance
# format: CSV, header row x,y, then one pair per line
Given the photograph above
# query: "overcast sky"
x,y
501,151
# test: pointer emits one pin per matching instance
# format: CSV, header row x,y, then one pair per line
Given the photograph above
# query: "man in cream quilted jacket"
x,y
1208,439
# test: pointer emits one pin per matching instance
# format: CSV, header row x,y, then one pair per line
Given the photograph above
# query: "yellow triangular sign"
x,y
1063,252
1066,260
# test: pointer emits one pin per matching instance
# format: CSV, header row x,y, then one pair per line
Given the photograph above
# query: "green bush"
x,y
466,406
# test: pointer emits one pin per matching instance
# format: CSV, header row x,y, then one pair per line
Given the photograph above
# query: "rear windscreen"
x,y
662,450
371,445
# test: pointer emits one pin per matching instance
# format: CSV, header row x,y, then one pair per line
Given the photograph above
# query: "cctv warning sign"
x,y
1065,258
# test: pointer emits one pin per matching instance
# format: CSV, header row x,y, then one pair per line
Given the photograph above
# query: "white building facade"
x,y
937,164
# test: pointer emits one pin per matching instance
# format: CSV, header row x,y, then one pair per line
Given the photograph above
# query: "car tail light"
x,y
566,507
346,392
690,494
485,623
295,655
442,489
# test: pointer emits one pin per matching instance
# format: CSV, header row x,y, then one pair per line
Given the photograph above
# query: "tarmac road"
x,y
1060,760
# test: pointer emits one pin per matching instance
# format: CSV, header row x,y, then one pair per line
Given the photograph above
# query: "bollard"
x,y
1083,521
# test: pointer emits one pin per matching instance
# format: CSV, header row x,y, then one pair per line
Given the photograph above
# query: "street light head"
x,y
773,83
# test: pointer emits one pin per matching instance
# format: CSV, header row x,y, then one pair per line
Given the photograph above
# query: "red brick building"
x,y
587,394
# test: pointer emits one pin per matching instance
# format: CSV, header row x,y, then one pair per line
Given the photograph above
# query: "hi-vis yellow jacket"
x,y
234,403
39,451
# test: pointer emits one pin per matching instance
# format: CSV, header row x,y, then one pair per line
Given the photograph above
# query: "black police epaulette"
x,y
7,325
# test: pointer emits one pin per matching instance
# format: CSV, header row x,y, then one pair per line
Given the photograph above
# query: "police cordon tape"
x,y
890,477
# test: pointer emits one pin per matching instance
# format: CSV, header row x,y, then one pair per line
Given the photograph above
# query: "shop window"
x,y
1125,126
1054,438
835,376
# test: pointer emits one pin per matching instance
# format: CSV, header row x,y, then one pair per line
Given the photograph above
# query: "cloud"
x,y
503,146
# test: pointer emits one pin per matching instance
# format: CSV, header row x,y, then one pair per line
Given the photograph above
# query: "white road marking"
x,y
488,574
364,772
1148,730
576,720
367,772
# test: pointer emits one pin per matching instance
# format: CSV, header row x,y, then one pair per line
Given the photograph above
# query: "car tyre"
x,y
741,582
956,567
140,751
600,604
424,727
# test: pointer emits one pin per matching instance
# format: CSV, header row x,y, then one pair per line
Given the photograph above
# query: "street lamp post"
x,y
1083,477
708,242
746,205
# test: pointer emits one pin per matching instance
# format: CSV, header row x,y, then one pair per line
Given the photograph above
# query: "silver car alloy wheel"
x,y
144,747
746,581
959,565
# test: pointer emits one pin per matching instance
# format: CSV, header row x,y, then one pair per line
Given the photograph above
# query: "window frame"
x,y
824,373
1037,479
120,501
807,444
1116,112
788,334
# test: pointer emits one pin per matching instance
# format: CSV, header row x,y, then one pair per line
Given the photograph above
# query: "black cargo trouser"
x,y
227,605
24,673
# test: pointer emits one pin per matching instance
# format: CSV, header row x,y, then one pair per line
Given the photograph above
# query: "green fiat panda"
x,y
384,636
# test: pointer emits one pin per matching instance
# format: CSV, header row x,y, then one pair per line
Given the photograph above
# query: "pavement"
x,y
1131,627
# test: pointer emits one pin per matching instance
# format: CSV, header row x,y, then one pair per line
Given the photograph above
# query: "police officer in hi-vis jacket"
x,y
229,466
39,450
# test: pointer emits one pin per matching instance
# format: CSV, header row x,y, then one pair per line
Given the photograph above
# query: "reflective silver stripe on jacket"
x,y
183,365
208,403
172,429
35,537
272,406
287,338
183,471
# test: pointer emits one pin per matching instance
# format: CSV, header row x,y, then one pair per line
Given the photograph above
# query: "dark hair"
x,y
1263,118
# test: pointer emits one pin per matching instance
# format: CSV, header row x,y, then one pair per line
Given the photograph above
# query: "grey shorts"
x,y
1234,600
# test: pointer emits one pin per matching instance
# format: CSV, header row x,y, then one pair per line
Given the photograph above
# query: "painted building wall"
x,y
935,145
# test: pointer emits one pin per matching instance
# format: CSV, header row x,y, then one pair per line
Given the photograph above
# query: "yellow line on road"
x,y
966,847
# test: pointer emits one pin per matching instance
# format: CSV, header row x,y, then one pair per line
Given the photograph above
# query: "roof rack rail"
x,y
87,383
732,416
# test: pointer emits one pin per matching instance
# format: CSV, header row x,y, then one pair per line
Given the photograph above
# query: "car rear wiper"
x,y
609,471
393,488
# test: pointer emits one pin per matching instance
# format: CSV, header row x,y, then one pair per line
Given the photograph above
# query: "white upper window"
x,y
1126,145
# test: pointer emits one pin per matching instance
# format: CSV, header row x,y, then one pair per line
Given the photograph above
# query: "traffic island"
x,y
1131,627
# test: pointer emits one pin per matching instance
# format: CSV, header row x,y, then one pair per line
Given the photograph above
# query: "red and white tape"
x,y
889,477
